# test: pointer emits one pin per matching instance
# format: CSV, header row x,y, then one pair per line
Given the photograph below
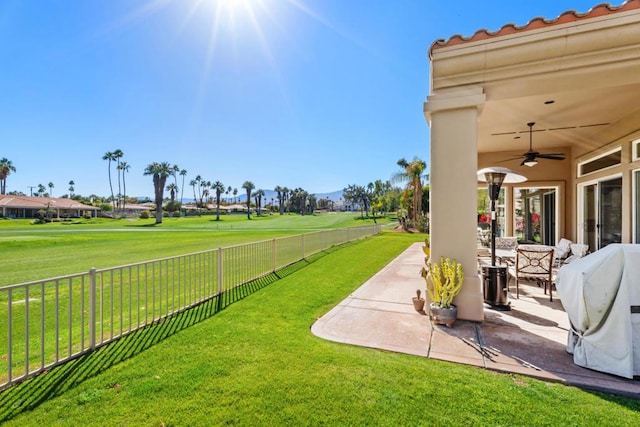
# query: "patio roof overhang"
x,y
578,81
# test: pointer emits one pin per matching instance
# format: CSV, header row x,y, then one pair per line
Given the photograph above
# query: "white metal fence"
x,y
54,320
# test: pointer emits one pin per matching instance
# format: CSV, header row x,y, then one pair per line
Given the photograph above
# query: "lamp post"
x,y
494,276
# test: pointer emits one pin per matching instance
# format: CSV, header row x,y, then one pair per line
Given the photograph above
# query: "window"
x,y
606,160
635,150
535,214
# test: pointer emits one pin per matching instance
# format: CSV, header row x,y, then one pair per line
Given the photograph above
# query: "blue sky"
x,y
316,94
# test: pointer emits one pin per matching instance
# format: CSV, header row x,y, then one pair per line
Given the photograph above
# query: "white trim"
x,y
634,150
580,206
594,158
635,201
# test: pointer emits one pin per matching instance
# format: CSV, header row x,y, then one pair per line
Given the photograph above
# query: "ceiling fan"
x,y
530,157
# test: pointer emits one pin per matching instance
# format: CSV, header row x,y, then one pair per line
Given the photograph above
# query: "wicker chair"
x,y
535,262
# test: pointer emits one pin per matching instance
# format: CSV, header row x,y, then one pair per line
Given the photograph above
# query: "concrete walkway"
x,y
529,340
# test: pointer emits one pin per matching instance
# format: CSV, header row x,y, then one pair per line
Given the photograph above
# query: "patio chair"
x,y
535,262
507,247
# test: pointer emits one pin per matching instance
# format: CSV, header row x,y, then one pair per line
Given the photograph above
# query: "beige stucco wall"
x,y
545,173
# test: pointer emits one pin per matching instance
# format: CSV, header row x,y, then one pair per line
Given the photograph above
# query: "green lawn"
x,y
32,252
256,363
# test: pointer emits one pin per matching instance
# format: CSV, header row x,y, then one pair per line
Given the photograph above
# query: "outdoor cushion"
x,y
563,248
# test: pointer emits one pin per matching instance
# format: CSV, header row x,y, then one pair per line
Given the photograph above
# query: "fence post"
x,y
92,308
220,273
273,255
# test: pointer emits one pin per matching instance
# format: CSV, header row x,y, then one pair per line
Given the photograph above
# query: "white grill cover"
x,y
601,295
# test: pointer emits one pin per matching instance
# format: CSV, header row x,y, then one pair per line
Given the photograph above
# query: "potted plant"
x,y
444,282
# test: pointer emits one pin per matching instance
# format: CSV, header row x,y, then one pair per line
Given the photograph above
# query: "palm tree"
x,y
285,197
199,198
6,167
41,190
193,184
219,187
278,191
110,157
71,188
51,189
183,173
235,193
172,188
227,193
124,167
248,186
160,172
258,196
175,170
117,155
412,173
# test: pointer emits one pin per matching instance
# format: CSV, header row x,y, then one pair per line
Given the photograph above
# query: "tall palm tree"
x,y
71,188
6,167
183,174
124,167
235,193
199,198
278,191
51,189
110,157
248,187
193,184
227,193
258,196
219,187
412,173
41,190
117,155
175,170
160,172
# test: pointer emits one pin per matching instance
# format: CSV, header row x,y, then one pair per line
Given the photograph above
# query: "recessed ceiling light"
x,y
551,101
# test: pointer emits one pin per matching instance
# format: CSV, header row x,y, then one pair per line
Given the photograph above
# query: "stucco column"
x,y
453,189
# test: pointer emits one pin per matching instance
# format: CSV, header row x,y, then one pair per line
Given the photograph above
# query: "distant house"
x,y
135,209
28,207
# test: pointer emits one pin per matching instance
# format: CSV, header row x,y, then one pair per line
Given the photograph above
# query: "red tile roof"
x,y
28,202
601,9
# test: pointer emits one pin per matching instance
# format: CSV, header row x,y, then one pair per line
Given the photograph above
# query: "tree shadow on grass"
x,y
29,394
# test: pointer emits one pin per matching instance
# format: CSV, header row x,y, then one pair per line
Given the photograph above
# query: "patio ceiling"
x,y
574,118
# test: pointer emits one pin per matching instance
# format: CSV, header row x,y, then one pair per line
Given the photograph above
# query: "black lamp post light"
x,y
495,277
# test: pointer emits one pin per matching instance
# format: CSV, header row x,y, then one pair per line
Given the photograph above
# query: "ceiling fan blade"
x,y
552,156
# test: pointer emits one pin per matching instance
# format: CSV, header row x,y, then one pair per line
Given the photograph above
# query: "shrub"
x,y
145,215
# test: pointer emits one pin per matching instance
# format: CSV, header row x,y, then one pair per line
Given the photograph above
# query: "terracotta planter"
x,y
418,304
443,316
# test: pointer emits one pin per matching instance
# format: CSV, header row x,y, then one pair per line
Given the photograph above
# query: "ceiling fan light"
x,y
530,163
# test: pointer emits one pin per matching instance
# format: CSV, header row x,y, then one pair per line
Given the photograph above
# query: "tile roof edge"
x,y
601,9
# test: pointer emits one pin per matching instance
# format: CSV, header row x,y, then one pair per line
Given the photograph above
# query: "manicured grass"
x,y
256,363
32,252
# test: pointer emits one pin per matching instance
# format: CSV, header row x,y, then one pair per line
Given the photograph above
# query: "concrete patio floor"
x,y
529,340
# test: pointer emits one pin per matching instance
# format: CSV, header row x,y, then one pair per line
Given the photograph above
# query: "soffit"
x,y
589,66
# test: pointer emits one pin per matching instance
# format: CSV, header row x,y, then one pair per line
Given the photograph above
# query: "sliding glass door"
x,y
601,213
535,214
